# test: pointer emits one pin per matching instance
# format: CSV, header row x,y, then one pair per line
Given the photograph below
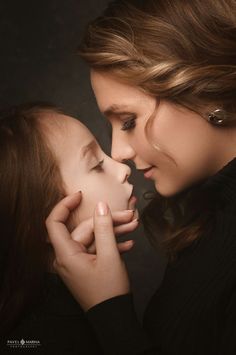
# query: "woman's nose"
x,y
121,150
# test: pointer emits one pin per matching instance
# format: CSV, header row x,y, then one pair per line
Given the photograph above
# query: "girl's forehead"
x,y
64,131
61,124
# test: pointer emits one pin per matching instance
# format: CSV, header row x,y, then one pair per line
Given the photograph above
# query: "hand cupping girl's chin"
x,y
92,278
123,222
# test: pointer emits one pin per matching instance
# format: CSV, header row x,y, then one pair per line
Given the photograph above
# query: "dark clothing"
x,y
57,326
194,310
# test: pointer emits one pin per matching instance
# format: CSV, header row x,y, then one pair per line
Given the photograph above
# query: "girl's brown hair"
x,y
177,50
30,185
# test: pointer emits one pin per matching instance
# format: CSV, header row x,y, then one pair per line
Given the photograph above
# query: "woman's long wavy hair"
x,y
177,50
30,185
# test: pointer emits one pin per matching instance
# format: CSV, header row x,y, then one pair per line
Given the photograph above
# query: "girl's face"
x,y
84,166
180,149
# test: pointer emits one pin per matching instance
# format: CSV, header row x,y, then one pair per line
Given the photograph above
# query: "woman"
x,y
164,74
44,156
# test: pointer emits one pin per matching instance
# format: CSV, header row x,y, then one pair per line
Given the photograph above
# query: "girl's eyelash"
x,y
129,124
99,167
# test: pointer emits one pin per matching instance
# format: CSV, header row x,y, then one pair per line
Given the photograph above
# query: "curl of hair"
x,y
177,50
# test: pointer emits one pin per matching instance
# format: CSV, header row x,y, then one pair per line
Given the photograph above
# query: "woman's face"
x,y
180,149
84,166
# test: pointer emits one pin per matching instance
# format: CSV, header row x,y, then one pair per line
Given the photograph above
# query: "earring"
x,y
217,117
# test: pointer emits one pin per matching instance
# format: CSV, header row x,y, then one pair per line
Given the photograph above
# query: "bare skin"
x,y
87,275
182,150
84,166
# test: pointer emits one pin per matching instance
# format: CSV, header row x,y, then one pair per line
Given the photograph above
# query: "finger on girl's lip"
x,y
132,205
136,214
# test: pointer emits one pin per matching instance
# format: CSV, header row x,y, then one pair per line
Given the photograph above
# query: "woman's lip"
x,y
148,172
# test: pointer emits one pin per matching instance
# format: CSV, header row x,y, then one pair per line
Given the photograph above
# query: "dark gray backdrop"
x,y
38,61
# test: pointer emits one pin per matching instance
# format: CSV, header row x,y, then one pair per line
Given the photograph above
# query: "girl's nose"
x,y
126,173
121,171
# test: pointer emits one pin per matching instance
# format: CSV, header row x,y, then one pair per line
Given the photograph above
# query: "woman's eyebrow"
x,y
115,110
87,147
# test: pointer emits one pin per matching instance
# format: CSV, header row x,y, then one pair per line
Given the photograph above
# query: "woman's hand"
x,y
123,222
91,278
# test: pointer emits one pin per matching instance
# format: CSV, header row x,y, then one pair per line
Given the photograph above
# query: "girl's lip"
x,y
148,172
133,199
131,191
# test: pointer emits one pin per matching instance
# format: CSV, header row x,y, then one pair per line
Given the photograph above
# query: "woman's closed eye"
x,y
98,167
129,124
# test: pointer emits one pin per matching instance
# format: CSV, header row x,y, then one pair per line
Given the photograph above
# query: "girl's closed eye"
x,y
98,167
129,124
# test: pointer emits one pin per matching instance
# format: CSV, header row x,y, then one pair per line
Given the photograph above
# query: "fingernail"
x,y
131,242
135,220
102,209
130,211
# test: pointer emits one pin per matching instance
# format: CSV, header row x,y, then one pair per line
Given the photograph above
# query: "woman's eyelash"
x,y
129,124
99,166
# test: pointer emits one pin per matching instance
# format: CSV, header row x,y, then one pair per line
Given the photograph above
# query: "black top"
x,y
194,310
57,326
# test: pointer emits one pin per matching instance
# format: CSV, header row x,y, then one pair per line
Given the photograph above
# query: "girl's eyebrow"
x,y
87,147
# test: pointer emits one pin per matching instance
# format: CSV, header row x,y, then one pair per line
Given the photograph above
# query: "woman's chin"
x,y
167,190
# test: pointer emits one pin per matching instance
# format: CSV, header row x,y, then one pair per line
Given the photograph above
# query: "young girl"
x,y
45,155
164,75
